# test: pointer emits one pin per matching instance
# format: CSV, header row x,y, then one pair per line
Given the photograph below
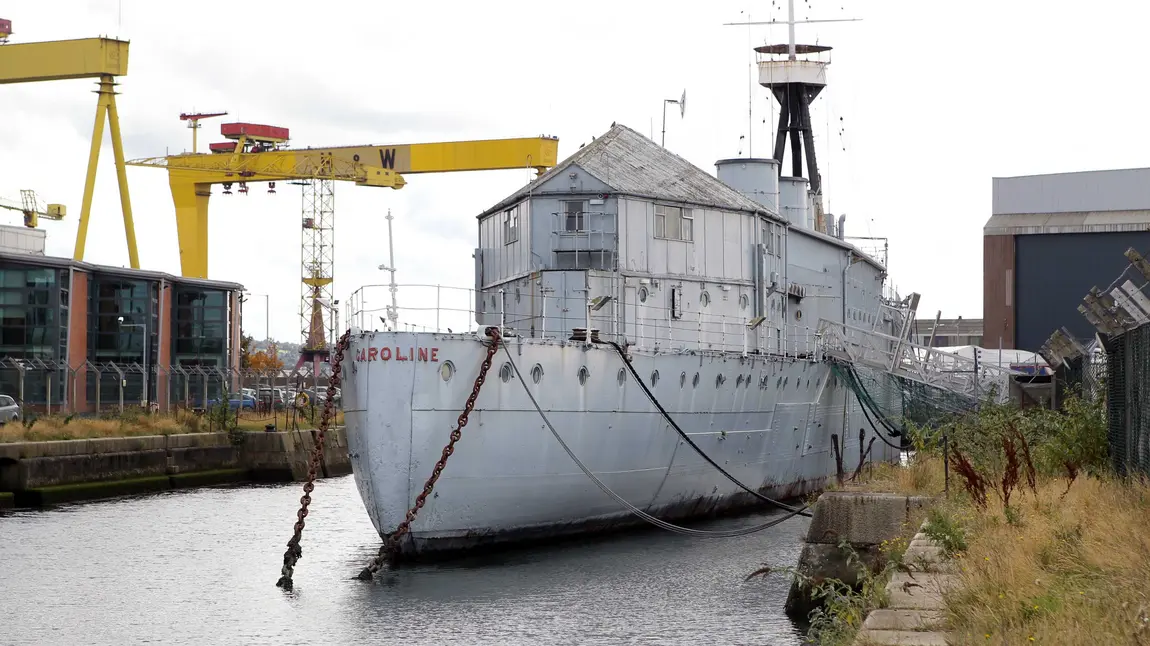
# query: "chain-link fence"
x,y
1128,400
45,387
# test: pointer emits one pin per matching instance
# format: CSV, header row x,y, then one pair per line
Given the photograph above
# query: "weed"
x,y
944,530
1009,472
973,481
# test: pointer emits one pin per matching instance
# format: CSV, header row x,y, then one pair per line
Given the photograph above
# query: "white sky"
x,y
935,99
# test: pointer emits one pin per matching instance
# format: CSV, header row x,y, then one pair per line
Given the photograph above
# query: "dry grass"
x,y
131,424
922,477
1070,570
1070,566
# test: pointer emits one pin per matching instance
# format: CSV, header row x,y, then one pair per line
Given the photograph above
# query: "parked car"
x,y
9,410
247,403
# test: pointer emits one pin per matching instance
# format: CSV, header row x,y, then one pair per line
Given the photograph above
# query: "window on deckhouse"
x,y
573,216
674,223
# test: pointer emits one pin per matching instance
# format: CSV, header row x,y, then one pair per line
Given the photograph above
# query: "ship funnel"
x,y
839,228
757,179
793,201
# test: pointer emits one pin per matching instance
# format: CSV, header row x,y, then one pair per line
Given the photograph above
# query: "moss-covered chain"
x,y
294,551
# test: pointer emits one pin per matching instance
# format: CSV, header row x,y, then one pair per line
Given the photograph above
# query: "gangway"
x,y
902,358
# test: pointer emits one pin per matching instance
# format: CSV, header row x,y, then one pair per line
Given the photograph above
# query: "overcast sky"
x,y
926,103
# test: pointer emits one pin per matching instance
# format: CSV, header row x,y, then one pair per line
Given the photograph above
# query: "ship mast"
x,y
795,82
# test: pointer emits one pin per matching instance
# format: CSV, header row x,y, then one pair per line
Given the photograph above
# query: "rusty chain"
x,y
391,544
294,551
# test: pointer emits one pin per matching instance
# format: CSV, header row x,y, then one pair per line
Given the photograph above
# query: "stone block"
x,y
904,619
930,581
207,478
860,518
821,562
190,440
203,458
94,467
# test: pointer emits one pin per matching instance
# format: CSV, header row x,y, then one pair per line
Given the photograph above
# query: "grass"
x,y
137,423
1067,562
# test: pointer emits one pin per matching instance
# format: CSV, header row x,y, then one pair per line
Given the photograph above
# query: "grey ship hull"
x,y
767,420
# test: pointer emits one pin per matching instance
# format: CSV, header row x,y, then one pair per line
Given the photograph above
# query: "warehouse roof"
x,y
64,263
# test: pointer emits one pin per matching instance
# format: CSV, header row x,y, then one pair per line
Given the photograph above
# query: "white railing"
x,y
901,357
439,308
419,308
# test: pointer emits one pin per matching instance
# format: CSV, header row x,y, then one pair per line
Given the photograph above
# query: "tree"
x,y
266,362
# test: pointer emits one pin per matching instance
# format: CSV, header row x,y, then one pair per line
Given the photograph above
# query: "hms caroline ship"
x,y
714,285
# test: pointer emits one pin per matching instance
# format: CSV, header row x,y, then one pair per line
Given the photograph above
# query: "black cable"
x,y
687,438
658,522
868,403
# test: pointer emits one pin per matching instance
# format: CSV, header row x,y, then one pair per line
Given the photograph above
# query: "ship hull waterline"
x,y
767,420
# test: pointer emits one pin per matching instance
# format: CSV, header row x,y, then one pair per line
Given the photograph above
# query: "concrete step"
x,y
904,620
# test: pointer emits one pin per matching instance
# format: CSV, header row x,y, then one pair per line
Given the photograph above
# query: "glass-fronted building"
x,y
79,336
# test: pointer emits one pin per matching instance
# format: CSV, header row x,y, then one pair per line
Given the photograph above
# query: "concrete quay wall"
x,y
863,521
38,473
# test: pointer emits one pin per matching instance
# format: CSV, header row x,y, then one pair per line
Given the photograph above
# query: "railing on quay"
x,y
46,387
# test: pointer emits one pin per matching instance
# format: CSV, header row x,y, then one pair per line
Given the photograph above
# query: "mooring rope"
x,y
688,440
678,529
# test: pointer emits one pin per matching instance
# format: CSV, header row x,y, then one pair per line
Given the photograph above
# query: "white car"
x,y
9,409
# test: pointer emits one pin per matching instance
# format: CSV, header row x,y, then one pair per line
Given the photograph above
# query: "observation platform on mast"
x,y
777,72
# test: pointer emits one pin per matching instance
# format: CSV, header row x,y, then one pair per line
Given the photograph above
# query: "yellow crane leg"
x,y
90,178
191,201
121,171
106,107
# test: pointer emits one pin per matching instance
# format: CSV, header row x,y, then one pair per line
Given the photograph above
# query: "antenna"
x,y
682,101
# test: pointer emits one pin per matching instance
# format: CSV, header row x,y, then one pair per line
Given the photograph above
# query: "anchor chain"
x,y
294,551
391,544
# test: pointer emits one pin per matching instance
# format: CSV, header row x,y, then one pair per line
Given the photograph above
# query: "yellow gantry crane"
x,y
256,153
100,58
30,207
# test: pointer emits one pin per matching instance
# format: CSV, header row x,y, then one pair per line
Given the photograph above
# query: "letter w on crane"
x,y
387,158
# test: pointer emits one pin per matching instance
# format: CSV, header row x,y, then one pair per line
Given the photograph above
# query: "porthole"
x,y
695,381
643,293
583,375
704,299
622,376
682,379
763,381
517,295
447,370
743,302
779,383
747,381
739,381
719,381
654,378
798,315
505,372
537,373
